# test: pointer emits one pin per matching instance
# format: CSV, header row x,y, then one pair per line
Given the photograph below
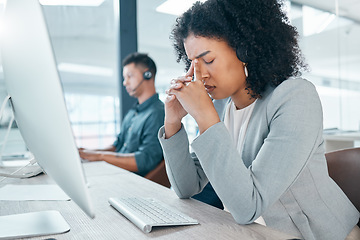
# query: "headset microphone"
x,y
134,89
146,76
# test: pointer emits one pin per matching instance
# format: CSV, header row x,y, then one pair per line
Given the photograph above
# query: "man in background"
x,y
137,148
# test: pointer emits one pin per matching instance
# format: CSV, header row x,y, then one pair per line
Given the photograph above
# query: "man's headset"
x,y
147,75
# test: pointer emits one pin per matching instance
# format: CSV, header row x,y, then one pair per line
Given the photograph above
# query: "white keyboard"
x,y
146,213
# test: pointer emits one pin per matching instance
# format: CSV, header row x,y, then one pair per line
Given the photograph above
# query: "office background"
x,y
86,45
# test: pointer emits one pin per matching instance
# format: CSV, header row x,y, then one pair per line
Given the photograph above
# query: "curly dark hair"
x,y
258,30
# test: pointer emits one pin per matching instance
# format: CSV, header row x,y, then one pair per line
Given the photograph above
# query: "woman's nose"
x,y
204,71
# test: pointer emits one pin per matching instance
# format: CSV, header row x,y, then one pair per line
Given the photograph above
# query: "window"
x,y
330,45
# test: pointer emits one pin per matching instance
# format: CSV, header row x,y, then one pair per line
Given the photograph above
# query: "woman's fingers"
x,y
182,79
197,72
175,86
190,72
180,82
169,98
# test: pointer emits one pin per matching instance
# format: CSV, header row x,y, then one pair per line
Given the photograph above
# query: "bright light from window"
x,y
316,21
327,21
85,69
88,3
1,27
2,6
176,7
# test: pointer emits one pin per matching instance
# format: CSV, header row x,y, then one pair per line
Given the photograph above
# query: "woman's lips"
x,y
209,88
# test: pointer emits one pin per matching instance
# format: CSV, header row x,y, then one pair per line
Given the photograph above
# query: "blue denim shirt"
x,y
138,134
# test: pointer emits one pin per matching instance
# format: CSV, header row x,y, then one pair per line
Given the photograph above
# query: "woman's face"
x,y
221,71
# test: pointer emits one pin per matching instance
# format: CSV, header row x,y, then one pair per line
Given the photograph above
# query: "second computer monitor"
x,y
33,83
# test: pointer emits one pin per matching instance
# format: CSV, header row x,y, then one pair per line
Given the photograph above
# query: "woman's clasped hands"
x,y
187,94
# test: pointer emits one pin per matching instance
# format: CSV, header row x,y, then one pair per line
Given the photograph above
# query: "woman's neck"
x,y
242,99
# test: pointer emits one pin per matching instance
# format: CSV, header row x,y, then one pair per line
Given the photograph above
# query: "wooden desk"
x,y
107,181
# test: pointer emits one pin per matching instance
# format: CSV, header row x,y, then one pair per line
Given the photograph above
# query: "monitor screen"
x,y
32,81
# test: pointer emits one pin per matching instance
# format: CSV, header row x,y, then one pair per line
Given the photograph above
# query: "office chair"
x,y
159,175
344,169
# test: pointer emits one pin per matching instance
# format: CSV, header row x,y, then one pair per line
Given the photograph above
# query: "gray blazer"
x,y
281,174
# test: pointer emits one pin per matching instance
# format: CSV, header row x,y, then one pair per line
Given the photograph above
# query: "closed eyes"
x,y
206,62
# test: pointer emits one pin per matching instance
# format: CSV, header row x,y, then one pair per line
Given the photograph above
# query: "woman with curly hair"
x,y
262,150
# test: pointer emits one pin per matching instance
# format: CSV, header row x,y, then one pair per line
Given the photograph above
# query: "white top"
x,y
236,121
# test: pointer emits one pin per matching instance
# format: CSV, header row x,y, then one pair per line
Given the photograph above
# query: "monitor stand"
x,y
16,159
3,143
32,224
11,160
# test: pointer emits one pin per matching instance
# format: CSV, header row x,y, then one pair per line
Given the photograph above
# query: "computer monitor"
x,y
33,83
